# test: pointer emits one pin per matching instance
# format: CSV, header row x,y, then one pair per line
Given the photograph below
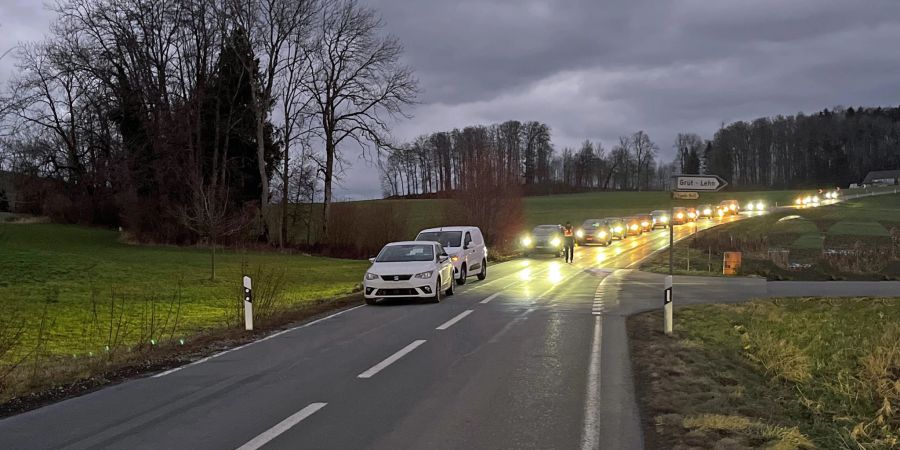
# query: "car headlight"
x,y
371,276
618,229
645,224
816,199
601,234
760,206
664,219
526,241
424,275
679,216
634,227
798,201
556,242
579,233
707,212
454,258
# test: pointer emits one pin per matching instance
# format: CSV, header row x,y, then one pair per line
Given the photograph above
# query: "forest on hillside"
x,y
831,147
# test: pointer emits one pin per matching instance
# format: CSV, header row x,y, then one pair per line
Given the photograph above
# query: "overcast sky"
x,y
598,69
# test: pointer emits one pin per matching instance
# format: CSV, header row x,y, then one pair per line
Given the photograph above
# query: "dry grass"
x,y
783,373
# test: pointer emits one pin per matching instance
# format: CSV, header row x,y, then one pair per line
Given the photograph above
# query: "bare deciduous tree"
x,y
356,81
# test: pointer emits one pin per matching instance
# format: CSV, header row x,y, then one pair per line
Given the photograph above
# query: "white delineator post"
x,y
667,305
248,304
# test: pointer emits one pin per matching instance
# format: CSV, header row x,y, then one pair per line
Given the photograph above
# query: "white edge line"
x,y
281,427
488,300
391,359
452,321
203,360
590,437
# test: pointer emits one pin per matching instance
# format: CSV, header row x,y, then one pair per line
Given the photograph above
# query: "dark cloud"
x,y
598,69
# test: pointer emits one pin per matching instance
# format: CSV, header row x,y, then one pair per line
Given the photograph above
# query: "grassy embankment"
x,y
848,240
99,292
783,373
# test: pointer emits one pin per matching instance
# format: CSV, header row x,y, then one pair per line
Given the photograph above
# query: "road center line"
x,y
590,435
391,359
452,321
281,427
488,300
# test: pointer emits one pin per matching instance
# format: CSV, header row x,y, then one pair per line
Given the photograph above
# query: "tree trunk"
x,y
285,179
261,160
329,171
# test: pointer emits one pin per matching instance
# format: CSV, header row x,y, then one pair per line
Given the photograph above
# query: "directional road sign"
x,y
699,183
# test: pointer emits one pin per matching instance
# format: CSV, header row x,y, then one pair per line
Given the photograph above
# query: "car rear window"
x,y
445,238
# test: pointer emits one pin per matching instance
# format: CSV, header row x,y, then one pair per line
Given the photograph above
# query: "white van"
x,y
466,248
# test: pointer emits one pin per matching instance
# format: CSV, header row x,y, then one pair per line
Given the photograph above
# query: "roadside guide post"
x,y
667,305
248,304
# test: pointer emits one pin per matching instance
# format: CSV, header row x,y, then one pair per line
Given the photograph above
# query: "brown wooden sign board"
x,y
685,195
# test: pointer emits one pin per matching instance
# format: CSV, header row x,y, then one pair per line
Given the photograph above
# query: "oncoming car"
x,y
617,227
731,207
466,247
409,269
544,239
679,216
633,226
646,222
706,212
660,218
593,231
755,206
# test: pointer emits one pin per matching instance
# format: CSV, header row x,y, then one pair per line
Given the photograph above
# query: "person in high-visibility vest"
x,y
569,241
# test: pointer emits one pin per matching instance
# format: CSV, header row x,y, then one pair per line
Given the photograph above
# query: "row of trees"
x,y
439,162
175,115
832,147
521,153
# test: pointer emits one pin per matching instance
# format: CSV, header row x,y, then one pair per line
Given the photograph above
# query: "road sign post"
x,y
667,305
248,304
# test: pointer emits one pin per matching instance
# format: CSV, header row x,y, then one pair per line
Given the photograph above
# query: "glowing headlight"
x,y
750,206
760,206
556,242
618,229
371,276
664,219
579,233
526,241
707,212
424,275
691,215
721,212
645,224
732,207
679,216
454,258
634,228
799,201
815,199
601,234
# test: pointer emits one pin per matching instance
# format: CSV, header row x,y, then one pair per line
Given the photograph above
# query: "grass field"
x,y
93,286
415,215
848,240
782,373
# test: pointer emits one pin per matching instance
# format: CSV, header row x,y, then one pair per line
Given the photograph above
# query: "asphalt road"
x,y
535,356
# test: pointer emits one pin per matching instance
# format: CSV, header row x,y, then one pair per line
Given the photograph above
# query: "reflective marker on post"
x,y
248,304
667,305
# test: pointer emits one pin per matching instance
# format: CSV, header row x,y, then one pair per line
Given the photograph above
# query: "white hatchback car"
x,y
466,248
409,269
